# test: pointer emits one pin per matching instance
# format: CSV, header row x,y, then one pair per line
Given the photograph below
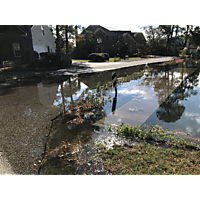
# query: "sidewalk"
x,y
92,67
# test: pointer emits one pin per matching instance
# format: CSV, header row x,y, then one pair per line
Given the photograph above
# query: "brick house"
x,y
105,40
16,43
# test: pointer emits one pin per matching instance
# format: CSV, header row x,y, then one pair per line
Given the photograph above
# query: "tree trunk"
x,y
169,36
176,38
57,39
66,36
76,36
186,37
172,30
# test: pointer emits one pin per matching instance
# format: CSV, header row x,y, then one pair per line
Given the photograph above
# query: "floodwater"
x,y
38,137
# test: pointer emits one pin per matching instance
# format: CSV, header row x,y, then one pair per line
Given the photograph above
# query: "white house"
x,y
43,40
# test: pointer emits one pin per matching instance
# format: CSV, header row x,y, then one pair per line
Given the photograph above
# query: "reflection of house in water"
x,y
91,80
47,93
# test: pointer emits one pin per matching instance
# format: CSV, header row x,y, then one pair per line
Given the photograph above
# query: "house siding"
x,y
12,34
42,42
110,38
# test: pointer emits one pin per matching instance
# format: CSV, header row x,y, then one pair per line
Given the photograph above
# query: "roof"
x,y
93,28
22,28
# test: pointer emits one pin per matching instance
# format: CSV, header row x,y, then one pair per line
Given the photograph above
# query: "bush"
x,y
184,53
52,60
98,57
7,63
198,51
36,55
106,56
13,63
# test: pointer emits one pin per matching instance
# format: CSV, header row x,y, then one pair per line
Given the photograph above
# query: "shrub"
x,y
198,51
36,55
13,63
52,60
184,52
106,56
7,63
98,57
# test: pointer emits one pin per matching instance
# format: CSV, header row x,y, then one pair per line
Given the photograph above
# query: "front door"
x,y
99,49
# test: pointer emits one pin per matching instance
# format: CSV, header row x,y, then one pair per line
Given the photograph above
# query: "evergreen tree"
x,y
122,46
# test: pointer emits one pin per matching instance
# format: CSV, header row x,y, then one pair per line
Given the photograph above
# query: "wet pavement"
x,y
36,123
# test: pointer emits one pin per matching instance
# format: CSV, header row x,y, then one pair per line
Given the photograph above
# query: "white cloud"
x,y
195,117
83,86
131,91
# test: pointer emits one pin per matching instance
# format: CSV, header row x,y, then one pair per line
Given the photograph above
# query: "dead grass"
x,y
150,160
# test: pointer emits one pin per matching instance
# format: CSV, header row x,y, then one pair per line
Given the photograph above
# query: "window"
x,y
16,49
99,40
113,38
107,38
42,28
48,49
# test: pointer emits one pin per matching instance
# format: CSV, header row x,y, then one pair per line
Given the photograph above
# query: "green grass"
x,y
156,153
150,160
80,60
110,59
117,58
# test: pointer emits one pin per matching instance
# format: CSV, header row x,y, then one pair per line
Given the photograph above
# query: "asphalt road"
x,y
91,67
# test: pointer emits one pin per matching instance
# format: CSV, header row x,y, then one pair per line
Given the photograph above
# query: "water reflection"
x,y
171,110
33,112
146,95
180,111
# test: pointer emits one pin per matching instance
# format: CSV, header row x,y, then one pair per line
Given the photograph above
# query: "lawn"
x,y
150,160
110,59
155,153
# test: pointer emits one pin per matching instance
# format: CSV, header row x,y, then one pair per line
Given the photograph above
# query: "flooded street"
x,y
46,129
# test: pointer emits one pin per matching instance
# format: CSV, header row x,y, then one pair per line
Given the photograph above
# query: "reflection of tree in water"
x,y
67,88
68,137
171,110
